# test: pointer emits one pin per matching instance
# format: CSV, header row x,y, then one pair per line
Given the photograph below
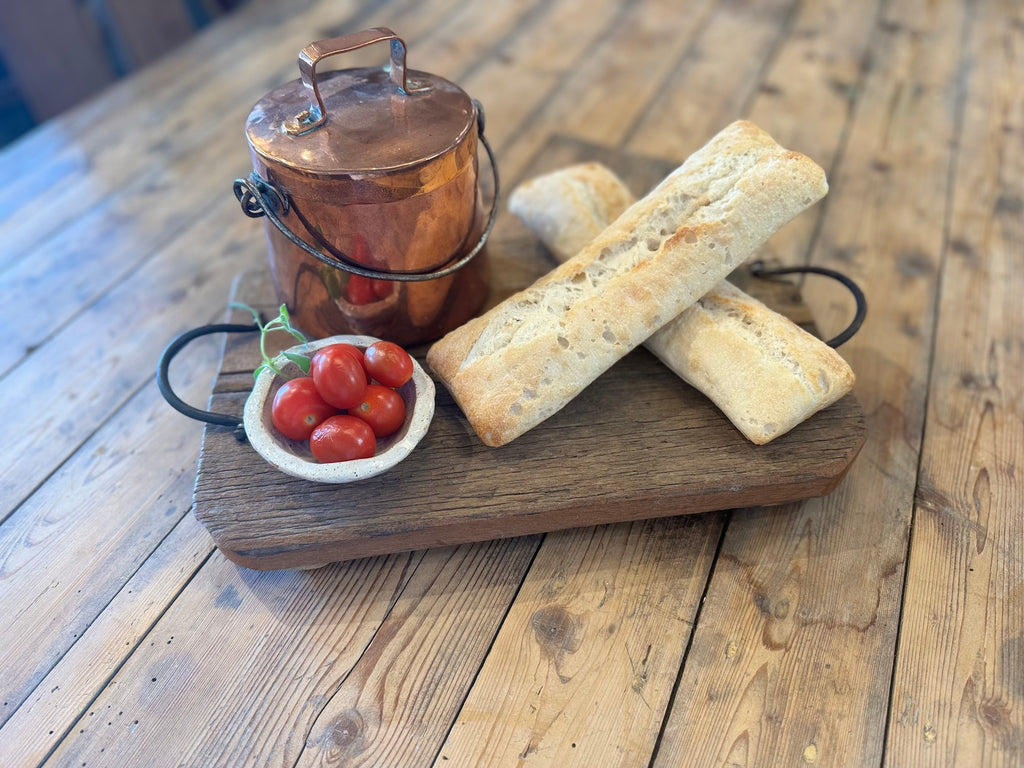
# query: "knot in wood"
x,y
557,630
346,734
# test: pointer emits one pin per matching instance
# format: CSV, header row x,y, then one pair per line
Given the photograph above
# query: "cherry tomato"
x,y
388,363
338,376
298,408
352,350
382,408
342,438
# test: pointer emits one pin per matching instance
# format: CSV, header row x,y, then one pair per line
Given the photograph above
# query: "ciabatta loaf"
x,y
763,371
568,208
523,360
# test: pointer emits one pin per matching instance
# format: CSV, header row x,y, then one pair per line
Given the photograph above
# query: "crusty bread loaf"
x,y
523,360
567,210
763,371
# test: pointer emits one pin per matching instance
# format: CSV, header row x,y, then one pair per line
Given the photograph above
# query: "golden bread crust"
x,y
527,357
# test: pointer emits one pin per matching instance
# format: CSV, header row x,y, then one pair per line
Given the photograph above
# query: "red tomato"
x,y
298,408
342,438
383,288
388,363
353,350
338,375
382,408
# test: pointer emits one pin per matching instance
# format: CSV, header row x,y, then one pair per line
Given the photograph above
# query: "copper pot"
x,y
369,181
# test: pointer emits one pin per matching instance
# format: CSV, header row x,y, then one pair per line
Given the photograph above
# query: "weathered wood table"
x,y
881,624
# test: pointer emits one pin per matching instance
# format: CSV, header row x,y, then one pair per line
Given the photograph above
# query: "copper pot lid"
x,y
355,122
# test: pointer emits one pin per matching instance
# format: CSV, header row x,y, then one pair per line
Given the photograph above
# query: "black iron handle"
x,y
258,198
757,269
163,376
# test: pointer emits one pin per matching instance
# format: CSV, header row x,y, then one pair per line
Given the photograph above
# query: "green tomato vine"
x,y
282,322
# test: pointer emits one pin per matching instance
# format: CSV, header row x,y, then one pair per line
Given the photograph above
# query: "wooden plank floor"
x,y
882,625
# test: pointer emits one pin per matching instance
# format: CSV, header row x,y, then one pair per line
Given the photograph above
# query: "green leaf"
x,y
281,322
300,360
286,324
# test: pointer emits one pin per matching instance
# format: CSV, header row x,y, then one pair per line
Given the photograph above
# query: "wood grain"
x,y
806,98
98,647
604,609
204,671
55,604
397,704
116,391
201,158
453,489
710,85
132,319
601,97
121,269
958,688
878,626
124,112
791,659
388,647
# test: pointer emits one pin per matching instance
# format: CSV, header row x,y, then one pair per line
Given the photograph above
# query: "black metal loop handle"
x,y
757,269
164,382
260,198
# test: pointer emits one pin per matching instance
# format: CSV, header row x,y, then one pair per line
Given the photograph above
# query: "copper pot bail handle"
x,y
312,118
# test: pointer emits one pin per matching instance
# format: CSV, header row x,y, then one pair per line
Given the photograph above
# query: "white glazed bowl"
x,y
294,458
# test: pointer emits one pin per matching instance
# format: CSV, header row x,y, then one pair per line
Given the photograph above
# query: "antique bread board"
x,y
637,443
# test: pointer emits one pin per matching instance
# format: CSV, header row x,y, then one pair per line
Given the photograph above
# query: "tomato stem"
x,y
282,322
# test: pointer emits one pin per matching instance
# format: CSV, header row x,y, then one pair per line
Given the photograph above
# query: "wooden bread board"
x,y
637,443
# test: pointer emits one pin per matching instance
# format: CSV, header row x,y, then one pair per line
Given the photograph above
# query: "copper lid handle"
x,y
312,54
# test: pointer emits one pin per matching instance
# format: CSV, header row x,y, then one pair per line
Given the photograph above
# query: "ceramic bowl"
x,y
294,458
